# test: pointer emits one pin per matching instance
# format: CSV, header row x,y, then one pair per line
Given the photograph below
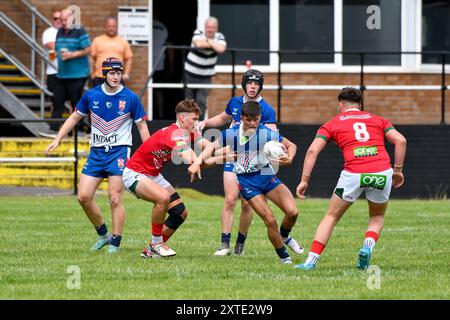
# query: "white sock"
x,y
312,258
157,239
369,243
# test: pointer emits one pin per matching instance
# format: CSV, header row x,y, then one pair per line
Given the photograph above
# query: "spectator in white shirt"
x,y
201,61
48,40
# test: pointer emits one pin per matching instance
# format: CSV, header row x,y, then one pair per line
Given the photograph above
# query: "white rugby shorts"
x,y
377,186
130,177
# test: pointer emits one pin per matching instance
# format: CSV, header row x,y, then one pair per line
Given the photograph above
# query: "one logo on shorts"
x,y
120,163
376,181
122,105
109,104
365,151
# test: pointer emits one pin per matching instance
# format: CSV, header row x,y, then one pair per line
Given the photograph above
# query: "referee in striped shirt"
x,y
201,60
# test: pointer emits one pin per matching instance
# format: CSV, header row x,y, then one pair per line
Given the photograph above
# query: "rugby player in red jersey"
x,y
361,137
142,175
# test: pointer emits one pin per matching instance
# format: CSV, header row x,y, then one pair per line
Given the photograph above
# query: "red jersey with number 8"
x,y
361,137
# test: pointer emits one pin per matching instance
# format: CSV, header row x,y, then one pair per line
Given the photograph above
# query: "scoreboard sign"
x,y
133,24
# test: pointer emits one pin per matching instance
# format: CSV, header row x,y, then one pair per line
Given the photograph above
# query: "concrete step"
x,y
82,153
56,181
39,145
41,174
39,169
11,78
8,67
36,103
24,91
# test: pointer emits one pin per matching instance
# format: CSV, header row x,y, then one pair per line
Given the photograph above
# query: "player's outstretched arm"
x,y
397,139
220,156
216,121
308,165
143,130
68,126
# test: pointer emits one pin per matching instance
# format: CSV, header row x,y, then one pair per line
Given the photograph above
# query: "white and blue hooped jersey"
x,y
111,115
234,108
250,158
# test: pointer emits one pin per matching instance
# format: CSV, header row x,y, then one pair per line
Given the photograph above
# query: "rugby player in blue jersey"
x,y
256,175
252,84
112,109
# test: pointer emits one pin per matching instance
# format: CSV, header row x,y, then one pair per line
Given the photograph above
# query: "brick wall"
x,y
309,107
306,107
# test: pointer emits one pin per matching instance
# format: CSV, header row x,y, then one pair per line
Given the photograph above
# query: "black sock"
x,y
241,238
284,232
226,237
101,230
115,240
282,253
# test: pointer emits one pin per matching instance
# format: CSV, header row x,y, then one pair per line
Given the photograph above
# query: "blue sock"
x,y
101,230
284,232
241,238
226,237
282,253
115,240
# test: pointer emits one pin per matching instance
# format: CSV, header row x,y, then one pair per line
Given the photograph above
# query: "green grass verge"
x,y
40,237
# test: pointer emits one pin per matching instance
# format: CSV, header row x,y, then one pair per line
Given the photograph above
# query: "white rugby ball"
x,y
274,150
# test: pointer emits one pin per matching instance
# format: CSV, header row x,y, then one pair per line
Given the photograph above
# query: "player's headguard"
x,y
111,64
253,75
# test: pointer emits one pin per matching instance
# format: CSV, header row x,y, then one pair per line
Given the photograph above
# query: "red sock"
x,y
157,229
317,247
372,234
165,238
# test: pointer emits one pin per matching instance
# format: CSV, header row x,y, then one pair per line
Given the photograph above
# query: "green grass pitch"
x,y
41,237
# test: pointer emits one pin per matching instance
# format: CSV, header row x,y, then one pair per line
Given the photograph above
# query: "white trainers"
x,y
224,250
148,253
162,250
287,260
293,245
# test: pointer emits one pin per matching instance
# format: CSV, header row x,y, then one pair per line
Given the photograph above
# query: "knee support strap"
x,y
175,219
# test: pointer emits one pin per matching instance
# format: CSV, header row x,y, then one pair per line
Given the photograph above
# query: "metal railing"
x,y
36,49
280,87
35,13
73,159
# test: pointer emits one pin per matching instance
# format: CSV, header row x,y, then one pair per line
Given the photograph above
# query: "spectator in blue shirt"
x,y
72,49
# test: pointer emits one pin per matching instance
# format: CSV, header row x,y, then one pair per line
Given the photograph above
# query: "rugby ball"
x,y
274,150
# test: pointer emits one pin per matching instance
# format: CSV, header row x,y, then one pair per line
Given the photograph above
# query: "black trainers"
x,y
239,249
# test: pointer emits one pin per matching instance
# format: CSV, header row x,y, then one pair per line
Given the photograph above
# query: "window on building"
x,y
245,24
307,25
435,29
361,33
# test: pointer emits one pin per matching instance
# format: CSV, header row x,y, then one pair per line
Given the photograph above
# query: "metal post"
x,y
183,73
233,62
43,64
361,79
279,88
75,164
443,90
33,36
